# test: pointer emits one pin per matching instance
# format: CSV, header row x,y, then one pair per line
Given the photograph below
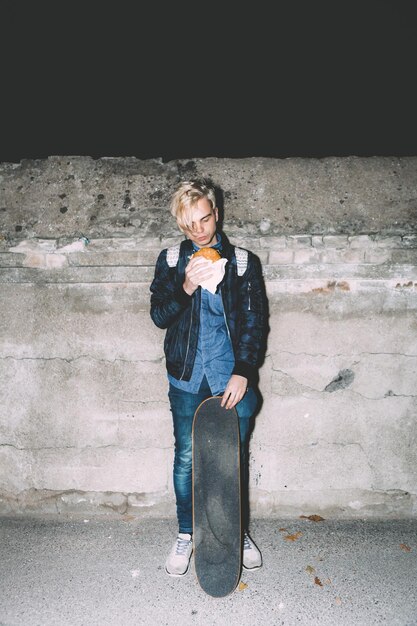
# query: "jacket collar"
x,y
218,246
223,246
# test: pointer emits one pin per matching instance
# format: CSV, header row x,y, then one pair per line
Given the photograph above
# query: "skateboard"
x,y
217,532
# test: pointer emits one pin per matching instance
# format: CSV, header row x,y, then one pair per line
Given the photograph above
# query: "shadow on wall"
x,y
264,342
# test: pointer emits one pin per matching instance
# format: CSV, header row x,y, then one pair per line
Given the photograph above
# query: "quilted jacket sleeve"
x,y
168,299
251,342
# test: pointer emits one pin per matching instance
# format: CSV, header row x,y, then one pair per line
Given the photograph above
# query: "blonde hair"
x,y
186,196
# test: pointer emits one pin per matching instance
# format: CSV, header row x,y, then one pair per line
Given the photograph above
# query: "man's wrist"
x,y
187,291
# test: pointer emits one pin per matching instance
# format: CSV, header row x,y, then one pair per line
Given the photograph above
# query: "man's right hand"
x,y
197,271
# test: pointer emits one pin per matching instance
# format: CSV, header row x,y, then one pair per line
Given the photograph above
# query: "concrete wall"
x,y
84,419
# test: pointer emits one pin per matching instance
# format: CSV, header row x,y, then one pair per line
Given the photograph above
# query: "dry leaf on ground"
x,y
310,569
293,537
242,586
313,518
404,547
318,581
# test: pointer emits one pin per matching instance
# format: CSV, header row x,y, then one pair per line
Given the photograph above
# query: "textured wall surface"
x,y
84,418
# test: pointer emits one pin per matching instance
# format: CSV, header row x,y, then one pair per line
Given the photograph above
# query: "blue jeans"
x,y
183,406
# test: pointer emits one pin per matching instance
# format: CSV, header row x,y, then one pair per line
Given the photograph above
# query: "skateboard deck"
x,y
216,498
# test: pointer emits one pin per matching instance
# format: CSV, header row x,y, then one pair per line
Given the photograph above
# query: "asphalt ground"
x,y
110,571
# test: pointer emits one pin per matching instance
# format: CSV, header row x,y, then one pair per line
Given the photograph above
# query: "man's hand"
x,y
235,390
197,271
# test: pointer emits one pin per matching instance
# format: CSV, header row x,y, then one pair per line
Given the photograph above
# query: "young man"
x,y
213,343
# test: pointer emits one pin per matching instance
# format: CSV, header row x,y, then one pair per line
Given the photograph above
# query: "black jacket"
x,y
244,302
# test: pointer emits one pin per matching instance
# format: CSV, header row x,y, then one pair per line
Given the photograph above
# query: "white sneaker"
x,y
178,560
252,558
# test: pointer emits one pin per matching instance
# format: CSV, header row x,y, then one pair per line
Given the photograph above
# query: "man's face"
x,y
203,230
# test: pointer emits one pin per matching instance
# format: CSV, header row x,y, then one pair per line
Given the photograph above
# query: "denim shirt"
x,y
214,358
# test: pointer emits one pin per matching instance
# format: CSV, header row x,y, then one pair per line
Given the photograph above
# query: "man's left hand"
x,y
235,390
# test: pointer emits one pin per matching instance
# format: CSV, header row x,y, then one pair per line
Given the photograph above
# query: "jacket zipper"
x,y
188,341
249,291
224,315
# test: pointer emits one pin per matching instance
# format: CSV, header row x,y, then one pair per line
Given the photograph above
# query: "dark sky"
x,y
282,79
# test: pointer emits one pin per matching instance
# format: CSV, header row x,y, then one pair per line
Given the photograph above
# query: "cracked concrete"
x,y
84,419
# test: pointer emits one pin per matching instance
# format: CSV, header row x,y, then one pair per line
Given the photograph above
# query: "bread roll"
x,y
208,253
